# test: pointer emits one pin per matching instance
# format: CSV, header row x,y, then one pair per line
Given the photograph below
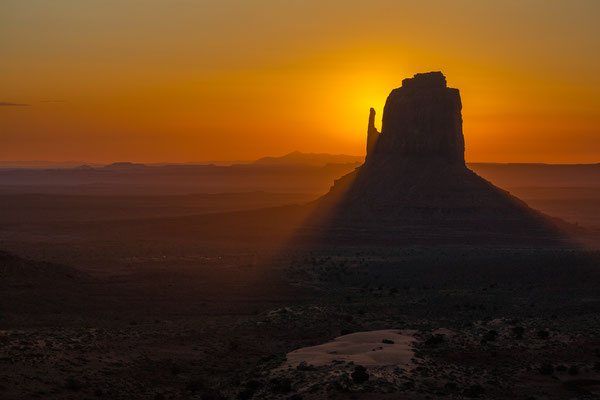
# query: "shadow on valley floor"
x,y
514,323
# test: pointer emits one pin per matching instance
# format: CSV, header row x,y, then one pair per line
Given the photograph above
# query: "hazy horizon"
x,y
232,161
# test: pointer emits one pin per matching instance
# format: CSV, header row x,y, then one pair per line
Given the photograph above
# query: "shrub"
x,y
360,374
546,369
518,331
542,334
73,385
194,385
281,385
303,366
573,370
434,340
474,391
489,336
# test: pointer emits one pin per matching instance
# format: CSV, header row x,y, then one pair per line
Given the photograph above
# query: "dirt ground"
x,y
153,308
195,325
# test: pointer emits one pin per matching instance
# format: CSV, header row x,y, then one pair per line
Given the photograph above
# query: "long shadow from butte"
x,y
414,187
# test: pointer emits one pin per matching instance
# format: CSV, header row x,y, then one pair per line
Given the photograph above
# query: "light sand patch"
x,y
364,348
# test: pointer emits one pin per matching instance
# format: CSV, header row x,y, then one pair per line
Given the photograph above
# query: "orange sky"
x,y
183,80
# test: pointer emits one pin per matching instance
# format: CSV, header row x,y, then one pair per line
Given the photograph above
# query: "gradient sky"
x,y
183,80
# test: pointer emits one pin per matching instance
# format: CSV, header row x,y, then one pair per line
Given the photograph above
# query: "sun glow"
x,y
212,84
354,93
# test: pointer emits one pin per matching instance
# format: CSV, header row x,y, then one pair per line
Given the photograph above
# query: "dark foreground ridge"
x,y
414,185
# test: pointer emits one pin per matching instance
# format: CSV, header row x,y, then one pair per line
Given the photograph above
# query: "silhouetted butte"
x,y
414,186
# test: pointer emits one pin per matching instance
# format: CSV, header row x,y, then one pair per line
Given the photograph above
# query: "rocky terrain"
x,y
425,281
484,324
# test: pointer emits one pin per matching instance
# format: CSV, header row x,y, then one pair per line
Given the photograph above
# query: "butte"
x,y
415,188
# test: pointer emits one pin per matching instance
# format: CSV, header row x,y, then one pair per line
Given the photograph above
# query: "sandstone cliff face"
x,y
423,119
414,185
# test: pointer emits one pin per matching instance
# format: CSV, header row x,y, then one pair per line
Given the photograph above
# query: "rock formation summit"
x,y
414,185
422,119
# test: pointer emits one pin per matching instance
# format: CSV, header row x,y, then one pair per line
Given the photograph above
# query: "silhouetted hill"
x,y
314,159
129,178
124,165
35,164
13,267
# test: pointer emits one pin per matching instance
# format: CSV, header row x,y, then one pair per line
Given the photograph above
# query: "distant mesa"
x,y
414,185
312,159
124,165
84,167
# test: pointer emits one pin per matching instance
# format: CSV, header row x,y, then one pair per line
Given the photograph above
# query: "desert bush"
x,y
303,366
212,394
573,370
281,385
546,369
245,394
360,374
434,340
518,331
73,385
542,334
194,385
489,336
474,391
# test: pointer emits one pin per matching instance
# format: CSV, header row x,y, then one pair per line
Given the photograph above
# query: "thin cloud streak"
x,y
8,104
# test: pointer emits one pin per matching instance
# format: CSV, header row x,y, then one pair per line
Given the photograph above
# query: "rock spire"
x,y
372,132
